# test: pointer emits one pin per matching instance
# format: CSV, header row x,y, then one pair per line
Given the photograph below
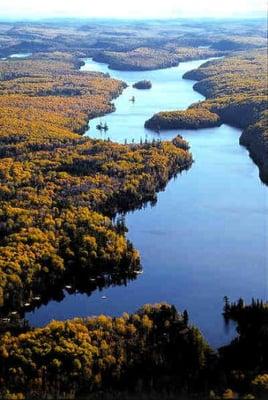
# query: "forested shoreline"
x,y
233,97
154,353
60,192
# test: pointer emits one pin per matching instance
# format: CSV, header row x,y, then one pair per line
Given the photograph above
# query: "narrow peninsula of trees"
x,y
189,119
150,58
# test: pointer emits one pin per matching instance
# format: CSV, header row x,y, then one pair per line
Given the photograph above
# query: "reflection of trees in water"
x,y
49,286
83,284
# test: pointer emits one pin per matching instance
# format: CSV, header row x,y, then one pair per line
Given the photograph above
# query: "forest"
x,y
60,192
194,118
58,189
141,45
236,93
155,351
144,84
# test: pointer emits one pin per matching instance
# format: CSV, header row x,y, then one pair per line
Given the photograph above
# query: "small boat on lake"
x,y
102,127
132,99
68,287
5,320
138,272
99,126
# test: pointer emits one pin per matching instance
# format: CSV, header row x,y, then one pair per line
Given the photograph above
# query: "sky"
x,y
20,9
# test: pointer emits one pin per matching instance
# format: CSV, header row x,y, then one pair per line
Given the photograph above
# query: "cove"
x,y
207,235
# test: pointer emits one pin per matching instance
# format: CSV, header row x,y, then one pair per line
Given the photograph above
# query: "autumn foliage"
x,y
59,190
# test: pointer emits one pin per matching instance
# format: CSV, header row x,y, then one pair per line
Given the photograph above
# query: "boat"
x,y
105,127
68,287
99,126
27,304
5,320
132,99
36,298
104,297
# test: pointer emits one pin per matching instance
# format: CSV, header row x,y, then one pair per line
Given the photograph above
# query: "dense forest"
x,y
60,192
236,90
46,96
137,46
154,351
236,93
194,118
143,85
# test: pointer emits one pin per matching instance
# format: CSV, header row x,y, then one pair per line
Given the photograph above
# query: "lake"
x,y
207,235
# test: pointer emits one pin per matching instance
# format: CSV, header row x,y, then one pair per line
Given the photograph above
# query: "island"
x,y
142,85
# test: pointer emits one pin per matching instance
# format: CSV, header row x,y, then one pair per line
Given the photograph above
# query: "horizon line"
x,y
121,18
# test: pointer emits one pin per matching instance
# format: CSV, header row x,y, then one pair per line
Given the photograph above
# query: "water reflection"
x,y
206,237
84,284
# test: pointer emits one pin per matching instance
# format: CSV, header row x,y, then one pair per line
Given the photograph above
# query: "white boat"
x,y
104,297
68,287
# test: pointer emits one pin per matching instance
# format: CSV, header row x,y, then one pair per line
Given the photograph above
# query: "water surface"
x,y
207,235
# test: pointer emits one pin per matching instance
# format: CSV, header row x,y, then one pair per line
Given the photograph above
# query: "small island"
x,y
142,85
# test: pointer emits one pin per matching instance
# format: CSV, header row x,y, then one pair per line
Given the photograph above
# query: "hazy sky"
x,y
134,8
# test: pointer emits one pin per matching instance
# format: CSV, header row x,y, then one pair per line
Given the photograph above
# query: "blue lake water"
x,y
207,235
